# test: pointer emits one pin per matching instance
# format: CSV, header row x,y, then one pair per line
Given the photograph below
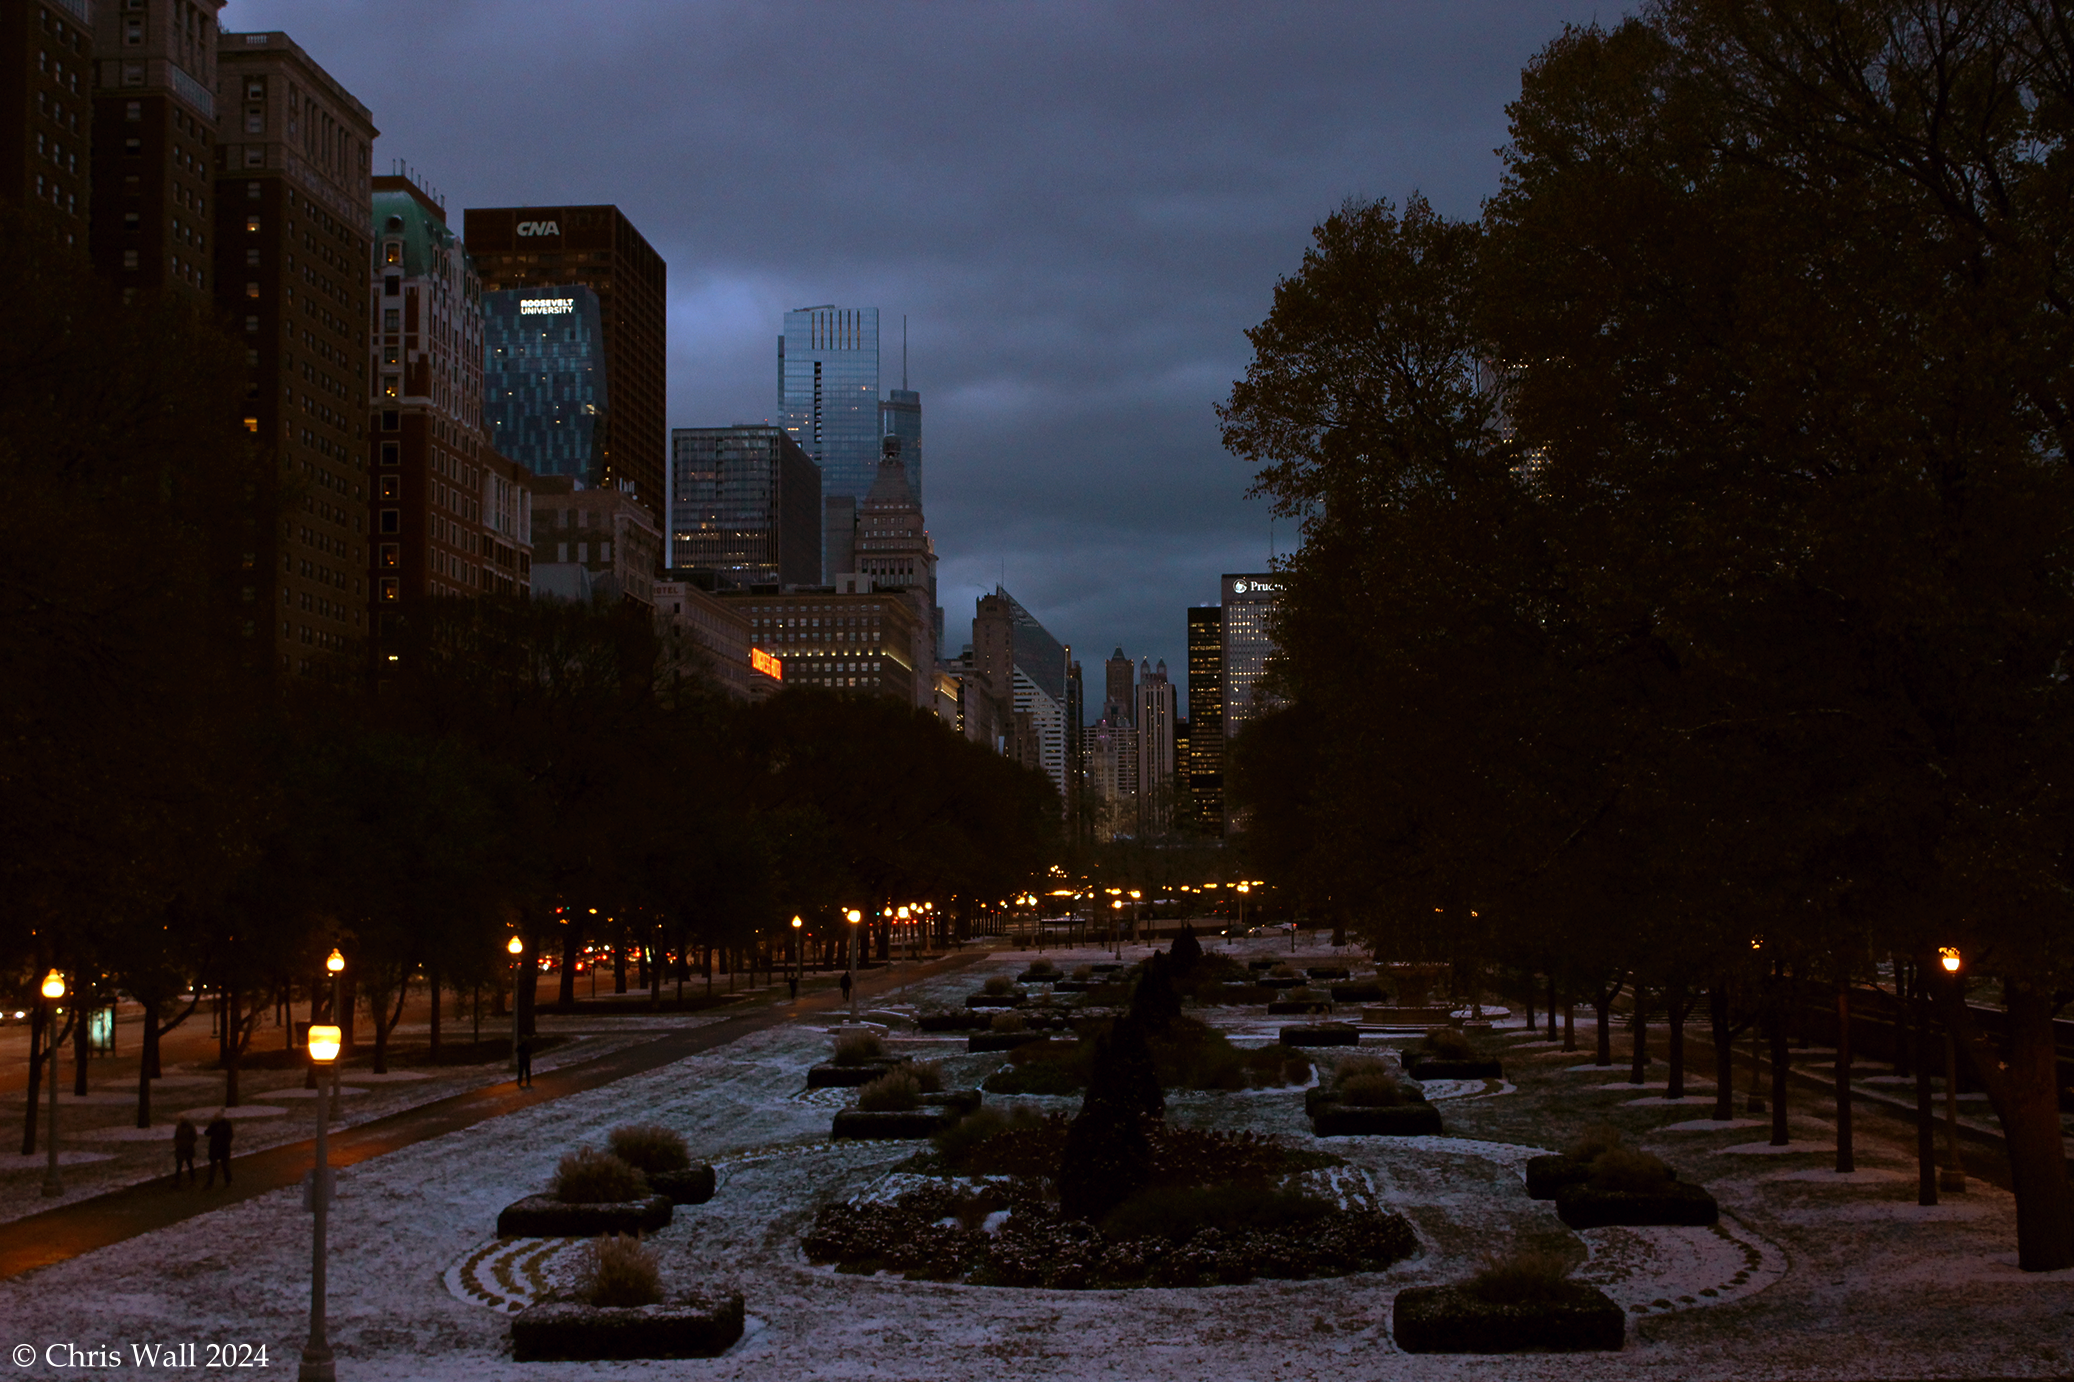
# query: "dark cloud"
x,y
1078,208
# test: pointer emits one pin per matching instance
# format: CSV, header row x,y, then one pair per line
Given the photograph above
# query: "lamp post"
x,y
904,913
854,917
1953,1176
325,1040
799,956
334,964
1136,893
53,993
1242,908
517,949
1116,927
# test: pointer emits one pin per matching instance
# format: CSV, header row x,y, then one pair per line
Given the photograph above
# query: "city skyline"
x,y
1078,213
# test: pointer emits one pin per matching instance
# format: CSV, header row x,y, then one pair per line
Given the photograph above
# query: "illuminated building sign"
x,y
1256,588
531,228
546,306
765,663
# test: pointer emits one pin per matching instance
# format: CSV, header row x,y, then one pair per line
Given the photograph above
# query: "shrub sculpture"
x,y
1210,1208
618,1272
1447,1054
1185,953
589,1176
650,1148
858,1048
1522,1301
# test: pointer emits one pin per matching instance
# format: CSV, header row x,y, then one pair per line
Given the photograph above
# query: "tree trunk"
x,y
432,987
1926,1107
386,1018
1640,1063
1720,1025
565,982
232,1050
619,962
1845,1163
655,977
1602,1004
1569,1025
147,1057
2025,1095
527,1000
1675,1009
1551,1008
37,1055
348,1002
1530,1004
82,1047
1777,1033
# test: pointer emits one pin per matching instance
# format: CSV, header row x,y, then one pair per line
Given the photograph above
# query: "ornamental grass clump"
x,y
1282,972
1594,1142
928,1076
895,1091
858,1048
1523,1276
1083,972
1008,1022
618,1272
1043,967
997,987
1631,1172
1445,1043
650,1148
589,1176
1369,1082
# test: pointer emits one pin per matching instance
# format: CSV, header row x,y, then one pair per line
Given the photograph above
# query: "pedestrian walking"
x,y
846,987
219,1133
184,1138
525,1064
792,984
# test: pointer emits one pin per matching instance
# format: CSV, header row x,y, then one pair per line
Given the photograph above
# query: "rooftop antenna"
x,y
903,352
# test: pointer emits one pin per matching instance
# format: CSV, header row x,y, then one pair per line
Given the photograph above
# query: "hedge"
x,y
1448,1319
693,1327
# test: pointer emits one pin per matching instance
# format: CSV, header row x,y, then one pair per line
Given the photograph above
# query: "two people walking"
x,y
218,1134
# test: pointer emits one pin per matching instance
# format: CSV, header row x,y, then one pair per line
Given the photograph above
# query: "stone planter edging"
x,y
867,1125
1447,1319
695,1327
544,1216
1322,1034
1678,1203
1457,1070
693,1185
1334,1119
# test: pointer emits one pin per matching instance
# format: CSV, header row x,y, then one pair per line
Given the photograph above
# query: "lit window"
x,y
252,225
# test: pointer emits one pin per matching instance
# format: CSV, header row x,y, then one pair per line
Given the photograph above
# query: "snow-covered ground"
x,y
1809,1274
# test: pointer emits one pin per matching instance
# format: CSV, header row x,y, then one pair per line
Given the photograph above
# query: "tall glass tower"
x,y
828,393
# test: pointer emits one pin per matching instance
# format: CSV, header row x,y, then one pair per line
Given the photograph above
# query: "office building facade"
x,y
588,544
855,644
1205,760
713,639
1247,638
893,552
745,502
557,247
1018,695
47,76
291,252
1153,716
828,393
449,516
544,388
156,127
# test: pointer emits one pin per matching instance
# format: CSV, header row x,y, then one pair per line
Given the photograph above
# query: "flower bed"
x,y
1586,1205
1451,1319
1321,1034
1275,981
694,1326
1332,1118
1457,1070
544,1216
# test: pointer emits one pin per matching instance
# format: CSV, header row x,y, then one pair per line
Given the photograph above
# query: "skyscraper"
x,y
828,393
1248,642
1116,690
545,392
1205,765
155,137
1154,719
46,119
746,502
291,250
894,552
1021,670
536,248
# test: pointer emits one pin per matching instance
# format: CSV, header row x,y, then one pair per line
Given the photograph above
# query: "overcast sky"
x,y
1079,209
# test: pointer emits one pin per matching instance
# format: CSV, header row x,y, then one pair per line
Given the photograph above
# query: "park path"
x,y
84,1225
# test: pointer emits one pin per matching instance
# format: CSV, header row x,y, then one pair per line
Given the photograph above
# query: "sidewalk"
x,y
84,1225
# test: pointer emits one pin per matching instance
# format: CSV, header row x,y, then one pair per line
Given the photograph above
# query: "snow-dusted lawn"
x,y
1807,1277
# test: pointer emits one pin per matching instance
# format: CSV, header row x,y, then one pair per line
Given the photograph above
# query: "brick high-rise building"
x,y
1205,760
596,246
448,516
156,136
291,255
46,113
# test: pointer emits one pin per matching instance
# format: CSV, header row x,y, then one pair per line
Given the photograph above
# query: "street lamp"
x,y
334,964
903,913
799,956
1953,1176
1116,927
853,916
53,992
325,1040
517,948
1243,890
1135,895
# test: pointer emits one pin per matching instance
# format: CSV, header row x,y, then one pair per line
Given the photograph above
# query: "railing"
x,y
192,91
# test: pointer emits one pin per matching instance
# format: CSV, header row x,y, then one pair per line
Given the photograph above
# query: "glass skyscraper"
x,y
746,501
544,379
828,399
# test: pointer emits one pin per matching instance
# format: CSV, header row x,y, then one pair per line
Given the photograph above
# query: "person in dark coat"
x,y
846,986
184,1138
219,1133
525,1065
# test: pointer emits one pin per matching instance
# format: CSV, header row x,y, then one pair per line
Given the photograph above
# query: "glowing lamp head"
x,y
1948,956
325,1041
1135,894
334,961
54,986
1245,887
1117,906
796,923
853,916
515,946
903,914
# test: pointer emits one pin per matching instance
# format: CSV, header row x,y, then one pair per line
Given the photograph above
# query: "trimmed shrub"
x,y
1524,1276
951,1020
544,1216
1548,1174
895,1091
1445,1043
1629,1172
1007,1022
1043,967
1284,971
695,1327
618,1272
589,1176
1084,972
1185,953
1669,1202
1372,1090
999,986
1335,1119
960,1145
1594,1141
858,1048
928,1076
692,1186
650,1148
